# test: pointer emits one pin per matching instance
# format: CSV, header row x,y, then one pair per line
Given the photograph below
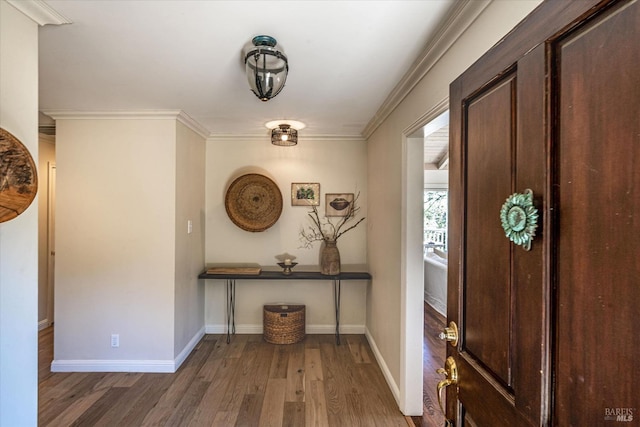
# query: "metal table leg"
x,y
231,308
336,301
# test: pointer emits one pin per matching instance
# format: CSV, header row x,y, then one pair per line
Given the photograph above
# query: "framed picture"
x,y
305,194
338,204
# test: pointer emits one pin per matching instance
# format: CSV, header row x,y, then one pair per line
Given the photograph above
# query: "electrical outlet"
x,y
115,340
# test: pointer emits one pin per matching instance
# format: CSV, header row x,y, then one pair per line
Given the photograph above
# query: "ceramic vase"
x,y
329,258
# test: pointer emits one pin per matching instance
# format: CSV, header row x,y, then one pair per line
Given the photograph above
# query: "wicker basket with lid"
x,y
284,323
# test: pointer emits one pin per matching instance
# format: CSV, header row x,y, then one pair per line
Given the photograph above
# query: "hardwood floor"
x,y
433,356
245,383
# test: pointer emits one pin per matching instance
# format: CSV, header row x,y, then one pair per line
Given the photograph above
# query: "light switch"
x,y
189,226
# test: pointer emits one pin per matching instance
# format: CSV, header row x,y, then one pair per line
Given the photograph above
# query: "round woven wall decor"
x,y
18,177
253,202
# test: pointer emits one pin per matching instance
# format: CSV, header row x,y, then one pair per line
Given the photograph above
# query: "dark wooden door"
x,y
498,294
548,336
597,182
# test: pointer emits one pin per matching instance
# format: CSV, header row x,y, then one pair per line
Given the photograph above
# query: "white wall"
x,y
340,167
190,184
115,243
386,169
19,237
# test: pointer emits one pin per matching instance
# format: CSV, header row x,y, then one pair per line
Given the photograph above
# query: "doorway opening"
x,y
431,169
435,213
46,247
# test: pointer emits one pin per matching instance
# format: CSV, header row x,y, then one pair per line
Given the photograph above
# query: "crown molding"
x,y
178,115
192,124
185,119
334,138
40,12
113,114
267,137
464,13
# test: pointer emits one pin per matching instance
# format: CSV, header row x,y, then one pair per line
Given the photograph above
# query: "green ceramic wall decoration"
x,y
520,218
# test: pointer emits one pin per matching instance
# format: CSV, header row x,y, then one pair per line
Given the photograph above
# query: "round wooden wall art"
x,y
18,177
253,202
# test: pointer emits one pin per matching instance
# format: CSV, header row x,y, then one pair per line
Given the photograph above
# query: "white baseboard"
x,y
170,366
146,366
310,329
186,351
395,390
438,305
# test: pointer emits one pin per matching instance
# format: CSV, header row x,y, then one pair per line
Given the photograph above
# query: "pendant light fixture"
x,y
266,67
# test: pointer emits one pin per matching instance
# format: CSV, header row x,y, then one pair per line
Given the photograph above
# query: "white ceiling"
x,y
345,58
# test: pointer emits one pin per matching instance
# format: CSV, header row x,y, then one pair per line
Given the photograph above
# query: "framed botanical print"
x,y
305,194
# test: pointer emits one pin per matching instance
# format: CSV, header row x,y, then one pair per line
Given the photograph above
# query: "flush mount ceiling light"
x,y
284,132
266,67
284,135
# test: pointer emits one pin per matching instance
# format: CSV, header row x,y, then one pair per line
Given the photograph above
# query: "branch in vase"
x,y
327,230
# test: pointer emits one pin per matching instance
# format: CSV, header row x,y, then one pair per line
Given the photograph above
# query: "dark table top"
x,y
294,275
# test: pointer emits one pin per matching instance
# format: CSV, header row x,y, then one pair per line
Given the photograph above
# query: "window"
x,y
435,219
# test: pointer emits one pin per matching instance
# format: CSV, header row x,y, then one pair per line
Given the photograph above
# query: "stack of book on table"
x,y
248,269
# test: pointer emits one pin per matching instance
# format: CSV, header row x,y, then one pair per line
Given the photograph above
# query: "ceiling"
x,y
345,59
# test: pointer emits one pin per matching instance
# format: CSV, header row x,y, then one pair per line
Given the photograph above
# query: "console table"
x,y
278,275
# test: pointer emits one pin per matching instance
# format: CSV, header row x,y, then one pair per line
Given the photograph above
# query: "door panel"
x,y
598,179
487,292
503,326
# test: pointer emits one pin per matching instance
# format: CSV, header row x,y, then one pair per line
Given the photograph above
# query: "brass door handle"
x,y
450,371
450,334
